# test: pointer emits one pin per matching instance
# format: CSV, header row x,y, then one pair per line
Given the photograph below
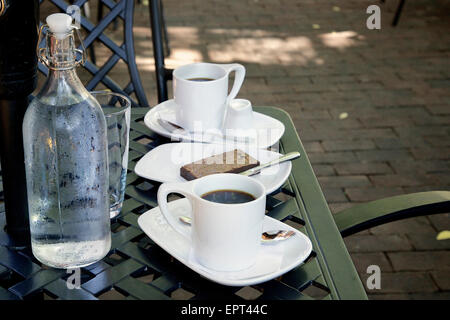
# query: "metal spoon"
x,y
281,159
266,237
276,235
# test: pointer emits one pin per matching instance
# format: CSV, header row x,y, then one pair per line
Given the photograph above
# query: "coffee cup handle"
x,y
164,190
238,79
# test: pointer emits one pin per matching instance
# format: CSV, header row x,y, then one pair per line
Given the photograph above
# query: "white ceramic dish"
x,y
268,130
163,163
273,259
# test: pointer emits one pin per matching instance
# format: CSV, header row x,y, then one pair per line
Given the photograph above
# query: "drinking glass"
x,y
117,111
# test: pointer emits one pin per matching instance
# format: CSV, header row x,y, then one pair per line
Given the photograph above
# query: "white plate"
x,y
163,163
269,130
273,259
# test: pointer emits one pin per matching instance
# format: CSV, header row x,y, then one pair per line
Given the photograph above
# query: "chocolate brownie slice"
x,y
235,161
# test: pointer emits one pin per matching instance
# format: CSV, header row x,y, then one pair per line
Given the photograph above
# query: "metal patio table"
x,y
136,268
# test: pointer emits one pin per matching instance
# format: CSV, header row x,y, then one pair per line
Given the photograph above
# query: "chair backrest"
x,y
160,48
122,52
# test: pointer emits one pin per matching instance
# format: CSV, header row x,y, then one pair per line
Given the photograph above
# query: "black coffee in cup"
x,y
228,196
200,79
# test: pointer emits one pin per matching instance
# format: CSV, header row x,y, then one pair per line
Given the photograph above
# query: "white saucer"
x,y
273,259
163,163
269,130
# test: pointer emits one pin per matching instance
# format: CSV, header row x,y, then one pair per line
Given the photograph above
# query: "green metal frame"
x,y
336,267
137,268
371,214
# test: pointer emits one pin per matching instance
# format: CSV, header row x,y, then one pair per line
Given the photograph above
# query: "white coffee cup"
x,y
224,237
202,104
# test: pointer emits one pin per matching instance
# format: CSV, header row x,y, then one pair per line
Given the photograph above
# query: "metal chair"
x,y
165,35
371,214
158,27
161,47
121,9
398,12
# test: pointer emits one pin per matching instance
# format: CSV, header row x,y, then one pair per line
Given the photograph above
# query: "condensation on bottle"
x,y
66,159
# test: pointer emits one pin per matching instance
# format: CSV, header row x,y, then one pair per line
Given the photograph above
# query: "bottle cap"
x,y
59,24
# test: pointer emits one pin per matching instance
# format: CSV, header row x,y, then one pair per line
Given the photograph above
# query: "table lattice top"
x,y
136,268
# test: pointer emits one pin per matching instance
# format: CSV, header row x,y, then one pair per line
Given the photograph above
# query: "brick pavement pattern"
x,y
372,107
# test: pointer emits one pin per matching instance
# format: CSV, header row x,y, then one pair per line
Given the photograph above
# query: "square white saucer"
x,y
273,260
268,130
163,163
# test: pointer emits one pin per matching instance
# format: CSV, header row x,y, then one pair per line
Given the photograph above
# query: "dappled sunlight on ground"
x,y
341,40
181,56
292,50
257,46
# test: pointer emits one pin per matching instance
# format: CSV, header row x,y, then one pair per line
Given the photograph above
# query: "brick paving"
x,y
372,107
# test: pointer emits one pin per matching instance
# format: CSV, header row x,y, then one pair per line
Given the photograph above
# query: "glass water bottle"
x,y
66,159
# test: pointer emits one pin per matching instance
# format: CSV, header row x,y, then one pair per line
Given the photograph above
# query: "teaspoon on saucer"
x,y
266,237
281,159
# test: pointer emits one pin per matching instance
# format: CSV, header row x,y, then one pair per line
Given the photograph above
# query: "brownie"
x,y
235,161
